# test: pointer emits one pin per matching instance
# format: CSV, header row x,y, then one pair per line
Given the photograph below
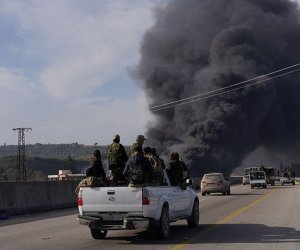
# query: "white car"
x,y
215,183
246,179
286,180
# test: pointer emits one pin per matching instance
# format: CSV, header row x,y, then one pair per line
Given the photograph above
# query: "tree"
x,y
70,164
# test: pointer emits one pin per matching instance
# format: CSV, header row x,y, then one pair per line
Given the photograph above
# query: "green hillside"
x,y
45,159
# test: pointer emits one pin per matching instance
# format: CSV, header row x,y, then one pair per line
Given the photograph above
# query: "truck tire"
x,y
203,193
164,223
193,221
98,234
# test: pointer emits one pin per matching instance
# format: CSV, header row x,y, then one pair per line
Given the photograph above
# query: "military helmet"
x,y
174,156
140,138
116,136
96,152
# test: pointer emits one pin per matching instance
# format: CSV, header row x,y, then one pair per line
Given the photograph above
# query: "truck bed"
x,y
111,199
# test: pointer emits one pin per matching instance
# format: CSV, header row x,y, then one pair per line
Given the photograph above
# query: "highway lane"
x,y
269,220
250,219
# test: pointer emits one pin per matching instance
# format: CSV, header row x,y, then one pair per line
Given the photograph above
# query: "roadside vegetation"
x,y
46,159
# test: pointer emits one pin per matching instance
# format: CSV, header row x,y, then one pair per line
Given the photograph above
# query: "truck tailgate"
x,y
112,199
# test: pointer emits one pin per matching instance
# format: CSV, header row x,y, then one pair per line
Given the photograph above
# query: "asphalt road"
x,y
246,219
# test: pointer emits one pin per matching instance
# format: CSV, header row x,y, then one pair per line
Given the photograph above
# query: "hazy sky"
x,y
65,69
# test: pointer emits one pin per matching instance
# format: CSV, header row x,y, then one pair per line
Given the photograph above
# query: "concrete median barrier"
x,y
28,197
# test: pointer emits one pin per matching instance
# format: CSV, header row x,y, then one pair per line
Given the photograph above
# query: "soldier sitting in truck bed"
x,y
138,169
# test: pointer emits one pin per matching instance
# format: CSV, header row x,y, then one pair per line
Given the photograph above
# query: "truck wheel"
x,y
203,193
193,221
293,183
164,224
98,234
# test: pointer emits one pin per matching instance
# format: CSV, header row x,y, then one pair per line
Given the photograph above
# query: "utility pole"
x,y
21,158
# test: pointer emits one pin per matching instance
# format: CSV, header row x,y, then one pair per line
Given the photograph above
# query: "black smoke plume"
x,y
197,46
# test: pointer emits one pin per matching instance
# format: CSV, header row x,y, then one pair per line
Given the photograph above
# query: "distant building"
x,y
65,175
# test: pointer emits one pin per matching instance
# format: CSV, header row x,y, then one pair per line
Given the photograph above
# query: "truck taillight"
x,y
145,197
80,202
145,201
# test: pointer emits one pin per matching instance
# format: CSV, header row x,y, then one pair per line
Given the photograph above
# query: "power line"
x,y
37,139
44,138
232,85
206,97
206,94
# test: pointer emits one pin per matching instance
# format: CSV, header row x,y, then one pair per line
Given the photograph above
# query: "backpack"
x,y
136,174
156,166
114,155
90,182
156,163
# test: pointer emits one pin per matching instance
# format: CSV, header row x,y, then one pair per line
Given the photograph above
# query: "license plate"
x,y
112,217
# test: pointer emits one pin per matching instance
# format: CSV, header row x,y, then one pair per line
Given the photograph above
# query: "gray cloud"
x,y
198,46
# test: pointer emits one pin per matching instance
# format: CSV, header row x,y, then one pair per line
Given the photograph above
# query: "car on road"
x,y
287,180
258,179
246,179
215,183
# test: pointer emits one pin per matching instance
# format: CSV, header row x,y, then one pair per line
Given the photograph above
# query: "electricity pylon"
x,y
21,157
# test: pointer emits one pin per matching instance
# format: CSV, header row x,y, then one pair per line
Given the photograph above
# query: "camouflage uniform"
x,y
162,163
138,169
117,159
139,142
156,166
176,170
96,169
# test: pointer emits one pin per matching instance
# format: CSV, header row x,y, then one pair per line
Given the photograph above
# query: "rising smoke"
x,y
197,46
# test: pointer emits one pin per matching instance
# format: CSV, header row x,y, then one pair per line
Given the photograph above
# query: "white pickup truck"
x,y
258,179
125,208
